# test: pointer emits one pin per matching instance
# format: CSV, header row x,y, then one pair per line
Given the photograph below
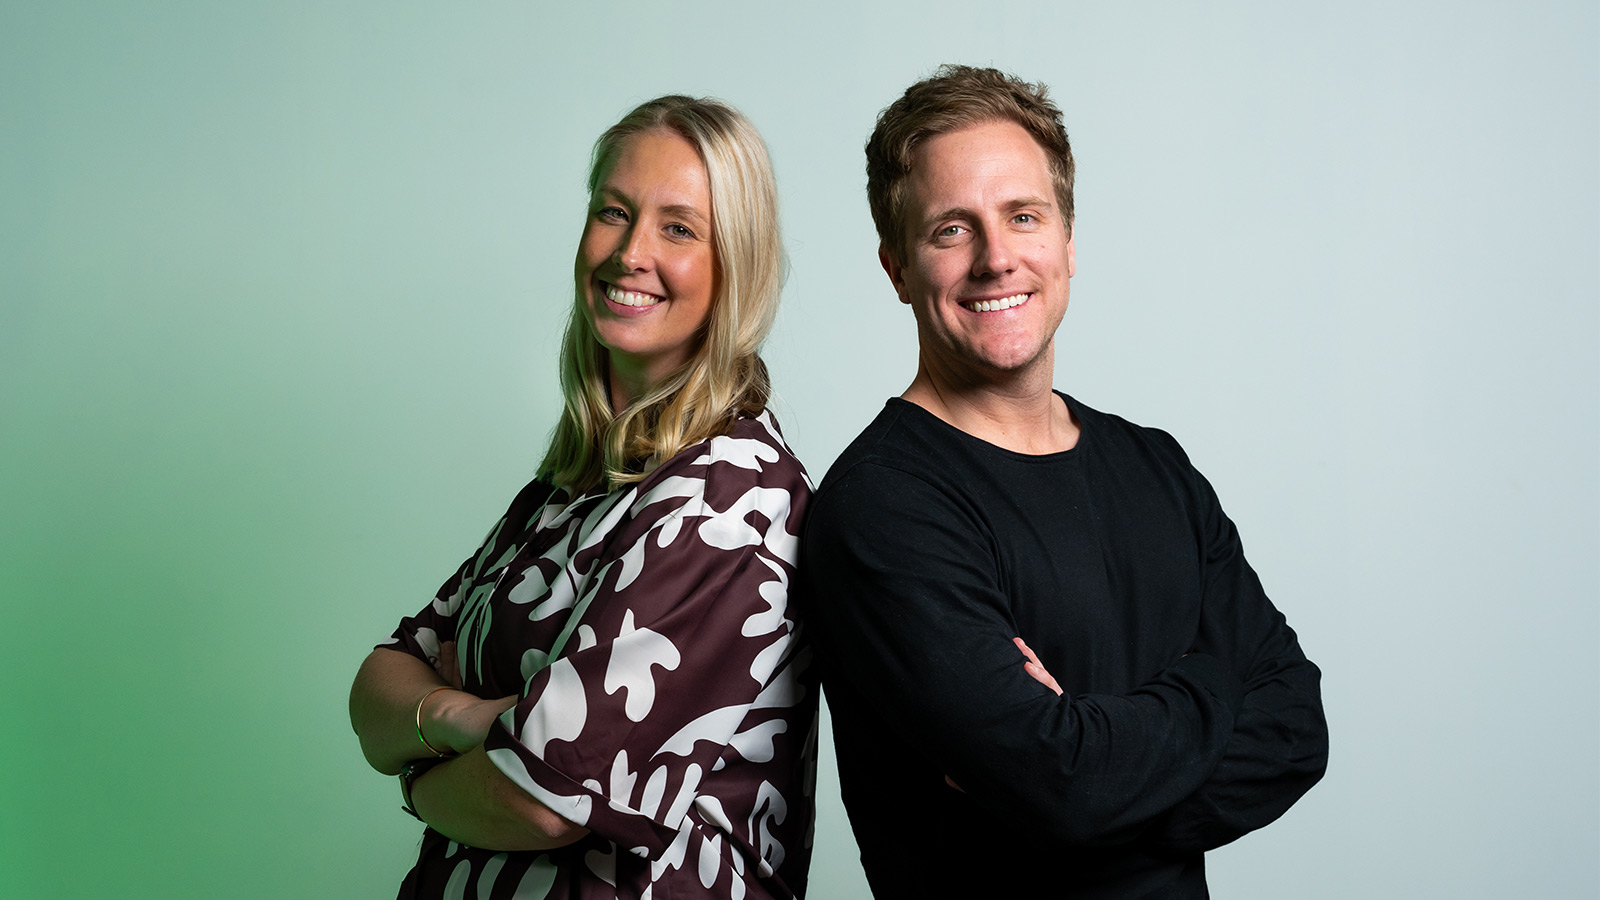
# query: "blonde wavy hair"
x,y
724,378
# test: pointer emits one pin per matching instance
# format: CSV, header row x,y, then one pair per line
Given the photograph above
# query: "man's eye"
x,y
1025,218
611,214
950,231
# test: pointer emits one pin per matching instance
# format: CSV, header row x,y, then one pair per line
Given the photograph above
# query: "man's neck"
x,y
1018,412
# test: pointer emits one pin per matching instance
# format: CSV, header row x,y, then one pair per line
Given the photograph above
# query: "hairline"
x,y
898,204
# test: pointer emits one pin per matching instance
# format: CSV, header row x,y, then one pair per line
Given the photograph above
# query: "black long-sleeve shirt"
x,y
1190,715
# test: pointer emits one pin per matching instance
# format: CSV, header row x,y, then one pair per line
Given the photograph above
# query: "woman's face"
x,y
646,267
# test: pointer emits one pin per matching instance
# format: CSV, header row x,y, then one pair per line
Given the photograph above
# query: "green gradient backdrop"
x,y
279,291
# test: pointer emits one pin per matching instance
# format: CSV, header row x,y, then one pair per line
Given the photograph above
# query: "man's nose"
x,y
995,254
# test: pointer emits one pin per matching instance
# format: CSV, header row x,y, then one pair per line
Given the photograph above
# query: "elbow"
x,y
1310,736
361,723
1317,756
380,763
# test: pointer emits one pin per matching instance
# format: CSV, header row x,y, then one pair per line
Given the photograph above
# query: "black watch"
x,y
409,773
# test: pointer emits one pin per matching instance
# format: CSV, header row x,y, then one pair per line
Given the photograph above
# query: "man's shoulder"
x,y
1113,435
897,444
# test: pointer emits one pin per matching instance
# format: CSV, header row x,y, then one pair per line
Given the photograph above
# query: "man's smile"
x,y
997,304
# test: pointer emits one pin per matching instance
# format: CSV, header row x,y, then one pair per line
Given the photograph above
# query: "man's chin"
x,y
1007,362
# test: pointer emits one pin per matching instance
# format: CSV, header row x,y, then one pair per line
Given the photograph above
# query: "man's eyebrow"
x,y
954,212
1021,202
964,212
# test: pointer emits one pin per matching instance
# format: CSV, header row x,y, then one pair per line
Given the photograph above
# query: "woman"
x,y
609,698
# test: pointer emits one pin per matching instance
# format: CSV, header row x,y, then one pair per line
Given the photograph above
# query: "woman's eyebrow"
x,y
684,211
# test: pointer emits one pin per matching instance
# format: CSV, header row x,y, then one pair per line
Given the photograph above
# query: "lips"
x,y
997,304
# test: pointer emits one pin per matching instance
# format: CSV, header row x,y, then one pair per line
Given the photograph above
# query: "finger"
x,y
1042,676
1034,658
952,782
448,667
1023,646
1027,651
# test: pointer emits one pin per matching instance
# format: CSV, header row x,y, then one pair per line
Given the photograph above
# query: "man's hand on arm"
x,y
918,625
1035,669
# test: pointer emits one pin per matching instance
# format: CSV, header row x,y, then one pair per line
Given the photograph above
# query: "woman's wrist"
x,y
457,721
422,734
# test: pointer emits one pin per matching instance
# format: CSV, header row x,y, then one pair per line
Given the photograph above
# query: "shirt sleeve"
x,y
903,590
435,624
682,667
1279,747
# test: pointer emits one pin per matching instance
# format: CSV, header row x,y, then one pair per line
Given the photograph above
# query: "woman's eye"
x,y
611,214
679,231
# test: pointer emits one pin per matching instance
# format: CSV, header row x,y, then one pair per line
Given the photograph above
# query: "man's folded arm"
x,y
904,594
1279,747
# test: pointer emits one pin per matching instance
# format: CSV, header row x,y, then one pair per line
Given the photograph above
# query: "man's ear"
x,y
895,271
1072,249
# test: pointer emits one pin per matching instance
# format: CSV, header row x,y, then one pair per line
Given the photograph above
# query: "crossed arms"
x,y
467,799
1218,742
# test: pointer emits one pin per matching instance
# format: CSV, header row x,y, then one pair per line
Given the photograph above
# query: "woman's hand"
x,y
383,709
458,721
455,720
447,666
470,801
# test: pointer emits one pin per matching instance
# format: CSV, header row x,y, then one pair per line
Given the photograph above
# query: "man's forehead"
x,y
980,160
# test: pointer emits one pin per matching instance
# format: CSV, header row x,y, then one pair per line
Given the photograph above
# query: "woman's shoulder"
x,y
746,485
753,453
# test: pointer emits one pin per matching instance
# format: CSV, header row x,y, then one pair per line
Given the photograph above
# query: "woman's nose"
x,y
633,253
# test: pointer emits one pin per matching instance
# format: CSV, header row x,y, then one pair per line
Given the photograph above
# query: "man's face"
x,y
987,254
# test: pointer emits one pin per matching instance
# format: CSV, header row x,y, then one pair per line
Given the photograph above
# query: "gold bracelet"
x,y
431,748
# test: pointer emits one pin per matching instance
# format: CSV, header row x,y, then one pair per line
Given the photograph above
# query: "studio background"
x,y
281,286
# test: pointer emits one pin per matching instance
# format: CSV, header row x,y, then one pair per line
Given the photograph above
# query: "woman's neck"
x,y
627,385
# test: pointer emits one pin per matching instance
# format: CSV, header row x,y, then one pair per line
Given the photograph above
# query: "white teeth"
x,y
997,305
630,298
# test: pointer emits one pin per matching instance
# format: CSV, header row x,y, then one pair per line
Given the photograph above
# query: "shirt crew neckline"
x,y
1073,408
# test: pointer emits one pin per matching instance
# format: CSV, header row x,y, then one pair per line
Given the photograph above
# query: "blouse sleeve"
x,y
682,666
422,634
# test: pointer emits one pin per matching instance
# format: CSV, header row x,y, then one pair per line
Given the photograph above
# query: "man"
x,y
1052,673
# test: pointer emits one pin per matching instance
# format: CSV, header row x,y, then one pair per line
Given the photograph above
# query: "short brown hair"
x,y
952,98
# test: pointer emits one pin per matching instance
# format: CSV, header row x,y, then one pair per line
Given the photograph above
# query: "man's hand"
x,y
1035,668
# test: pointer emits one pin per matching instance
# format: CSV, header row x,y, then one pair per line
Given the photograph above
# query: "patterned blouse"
x,y
666,704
